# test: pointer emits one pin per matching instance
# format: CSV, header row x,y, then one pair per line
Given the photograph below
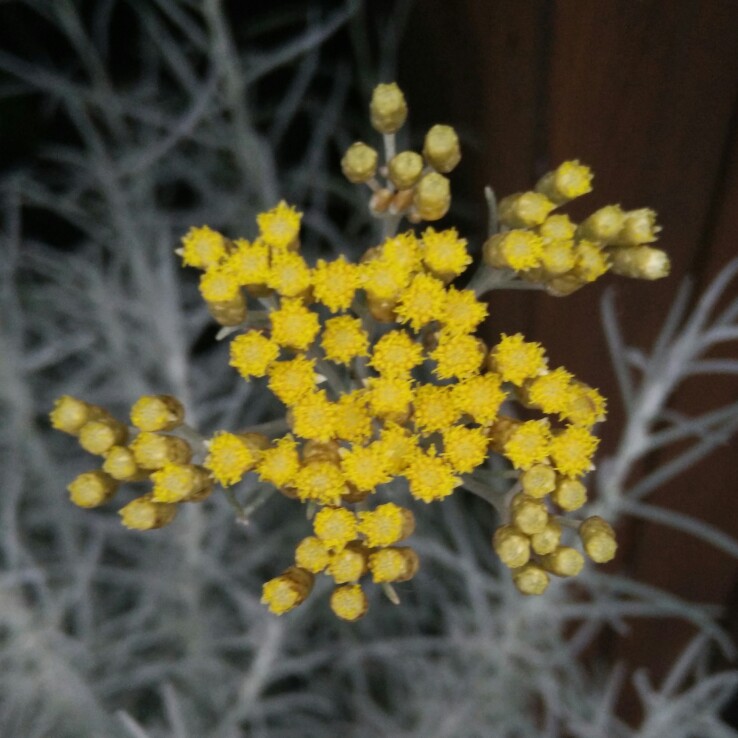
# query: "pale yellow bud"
x,y
359,163
603,225
547,540
228,312
639,228
640,262
570,494
528,514
539,480
441,148
405,169
432,196
70,414
92,489
388,108
564,562
121,465
512,546
569,180
524,209
145,514
99,436
598,538
530,579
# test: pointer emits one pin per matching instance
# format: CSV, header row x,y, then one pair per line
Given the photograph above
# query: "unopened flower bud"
x,y
539,480
547,540
603,225
359,163
388,108
570,494
524,209
121,465
157,413
146,514
70,414
393,564
432,196
288,590
564,562
405,169
349,602
530,579
181,483
92,489
598,538
99,436
569,180
639,228
441,148
640,262
512,546
528,514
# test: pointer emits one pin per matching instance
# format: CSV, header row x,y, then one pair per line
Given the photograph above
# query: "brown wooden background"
x,y
645,92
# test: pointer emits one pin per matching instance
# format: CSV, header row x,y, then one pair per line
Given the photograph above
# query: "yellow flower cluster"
x,y
383,377
563,256
146,452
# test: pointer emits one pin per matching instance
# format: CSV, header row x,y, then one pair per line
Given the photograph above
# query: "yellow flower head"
x,y
70,414
430,477
144,513
280,226
457,356
323,482
157,413
396,354
516,359
569,180
314,417
386,524
464,312
396,444
291,380
92,489
335,282
434,408
344,339
153,451
557,228
464,448
393,564
252,354
479,397
551,392
572,451
422,302
180,483
335,526
516,249
403,252
249,263
586,406
444,253
349,602
203,248
383,278
591,261
529,443
365,467
289,275
390,397
287,591
524,209
558,257
312,554
280,463
352,419
349,564
229,458
293,325
218,285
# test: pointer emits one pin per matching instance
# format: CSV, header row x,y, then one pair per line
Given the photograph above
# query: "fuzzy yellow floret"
x,y
524,209
457,356
344,339
396,444
430,477
572,451
314,417
249,263
463,311
180,483
279,226
203,248
528,444
218,285
334,283
464,448
383,278
293,325
335,526
320,481
365,467
229,458
516,249
157,413
422,302
252,353
348,565
390,397
352,418
153,451
349,602
434,408
386,524
291,380
393,564
396,354
403,252
480,397
551,392
144,513
557,228
558,257
444,253
280,463
516,359
312,555
289,274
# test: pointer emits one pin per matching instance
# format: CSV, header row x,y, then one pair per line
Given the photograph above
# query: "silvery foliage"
x,y
110,633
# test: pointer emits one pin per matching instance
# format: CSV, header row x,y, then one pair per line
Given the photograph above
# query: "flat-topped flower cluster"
x,y
388,388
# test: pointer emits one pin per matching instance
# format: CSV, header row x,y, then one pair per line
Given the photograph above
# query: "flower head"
x,y
280,226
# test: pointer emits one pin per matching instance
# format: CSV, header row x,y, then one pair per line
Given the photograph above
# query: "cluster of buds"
x,y
383,378
548,248
149,451
415,186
